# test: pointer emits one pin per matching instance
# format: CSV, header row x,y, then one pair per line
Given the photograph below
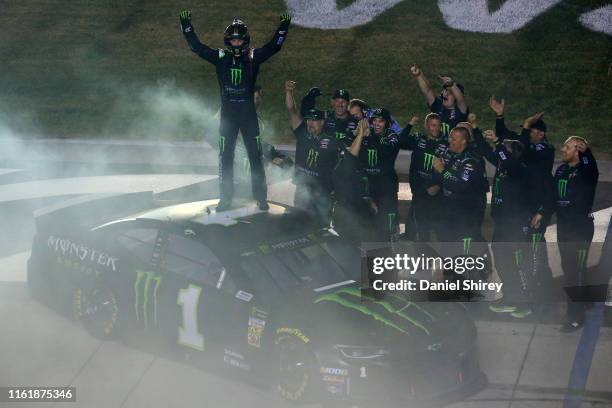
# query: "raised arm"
x,y
261,55
203,50
363,130
457,93
423,84
294,117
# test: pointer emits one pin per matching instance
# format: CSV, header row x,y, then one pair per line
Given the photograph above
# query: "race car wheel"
x,y
96,308
296,379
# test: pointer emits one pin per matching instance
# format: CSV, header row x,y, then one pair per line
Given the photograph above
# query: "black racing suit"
x,y
461,183
315,159
425,209
450,117
574,192
510,213
377,155
237,77
539,159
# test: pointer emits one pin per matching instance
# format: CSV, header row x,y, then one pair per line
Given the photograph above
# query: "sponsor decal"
x,y
66,247
294,332
313,157
334,371
236,76
372,157
234,359
146,283
255,331
428,161
467,243
245,296
562,188
291,244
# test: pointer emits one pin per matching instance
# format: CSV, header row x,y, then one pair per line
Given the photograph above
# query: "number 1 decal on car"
x,y
188,334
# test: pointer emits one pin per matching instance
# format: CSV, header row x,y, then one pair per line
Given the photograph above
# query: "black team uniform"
x,y
315,159
237,70
377,155
461,183
510,213
342,128
574,191
425,209
450,117
539,159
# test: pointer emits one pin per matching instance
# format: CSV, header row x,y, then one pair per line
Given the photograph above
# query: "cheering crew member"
x,y
237,67
316,155
338,121
574,187
423,219
460,173
539,158
510,212
450,104
377,149
359,110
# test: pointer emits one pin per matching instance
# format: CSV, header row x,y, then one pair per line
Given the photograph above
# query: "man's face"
x,y
236,42
456,142
315,126
536,136
569,151
340,106
379,124
356,112
258,98
448,99
434,127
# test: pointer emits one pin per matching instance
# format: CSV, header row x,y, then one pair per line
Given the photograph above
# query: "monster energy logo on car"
x,y
312,158
152,280
236,76
372,157
518,257
467,243
428,161
392,312
582,257
562,188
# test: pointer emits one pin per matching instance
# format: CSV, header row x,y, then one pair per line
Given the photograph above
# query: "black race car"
x,y
269,294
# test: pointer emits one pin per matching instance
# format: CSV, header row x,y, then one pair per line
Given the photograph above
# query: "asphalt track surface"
x,y
528,362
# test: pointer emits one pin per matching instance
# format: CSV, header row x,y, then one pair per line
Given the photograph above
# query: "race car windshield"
x,y
309,267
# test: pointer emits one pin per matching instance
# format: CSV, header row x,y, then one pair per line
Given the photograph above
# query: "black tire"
x,y
296,370
97,309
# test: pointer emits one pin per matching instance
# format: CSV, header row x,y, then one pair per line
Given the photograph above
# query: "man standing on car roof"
x,y
237,67
450,104
539,157
316,156
574,187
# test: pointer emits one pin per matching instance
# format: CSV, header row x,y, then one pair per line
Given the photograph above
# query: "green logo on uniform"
x,y
141,295
236,76
428,161
258,141
535,238
467,243
562,188
518,257
221,143
372,157
391,217
582,257
312,158
496,187
340,135
445,129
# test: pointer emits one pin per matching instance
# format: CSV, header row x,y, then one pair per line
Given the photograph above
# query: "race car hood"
x,y
346,316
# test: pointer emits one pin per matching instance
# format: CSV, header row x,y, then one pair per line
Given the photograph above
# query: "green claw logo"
x,y
467,243
236,76
562,188
372,157
518,257
445,129
428,161
312,158
340,135
535,238
221,143
143,294
582,257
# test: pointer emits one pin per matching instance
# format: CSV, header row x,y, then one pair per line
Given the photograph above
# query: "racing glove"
x,y
185,18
